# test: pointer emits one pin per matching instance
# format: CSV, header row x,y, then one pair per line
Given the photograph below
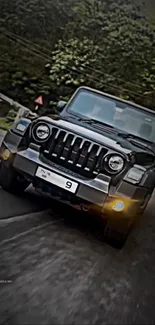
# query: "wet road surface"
x,y
54,269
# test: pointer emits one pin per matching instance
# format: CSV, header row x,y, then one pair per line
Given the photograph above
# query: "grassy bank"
x,y
4,125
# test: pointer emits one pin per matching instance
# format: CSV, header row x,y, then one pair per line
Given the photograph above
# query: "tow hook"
x,y
84,208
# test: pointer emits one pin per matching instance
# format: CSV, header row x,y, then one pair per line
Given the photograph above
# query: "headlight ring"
x,y
41,132
114,163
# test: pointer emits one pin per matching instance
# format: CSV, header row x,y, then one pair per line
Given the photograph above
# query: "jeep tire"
x,y
10,180
116,234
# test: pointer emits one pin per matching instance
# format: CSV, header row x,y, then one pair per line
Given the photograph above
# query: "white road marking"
x,y
6,241
25,216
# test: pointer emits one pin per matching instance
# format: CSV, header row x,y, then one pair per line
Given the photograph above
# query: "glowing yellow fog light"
x,y
118,206
6,154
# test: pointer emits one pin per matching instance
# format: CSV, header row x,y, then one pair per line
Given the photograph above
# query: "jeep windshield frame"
x,y
118,114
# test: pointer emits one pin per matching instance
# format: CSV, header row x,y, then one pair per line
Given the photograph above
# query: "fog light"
x,y
6,154
21,127
118,206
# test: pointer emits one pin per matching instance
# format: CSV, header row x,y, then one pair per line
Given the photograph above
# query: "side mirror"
x,y
61,105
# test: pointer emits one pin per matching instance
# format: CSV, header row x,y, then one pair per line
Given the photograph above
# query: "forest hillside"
x,y
52,47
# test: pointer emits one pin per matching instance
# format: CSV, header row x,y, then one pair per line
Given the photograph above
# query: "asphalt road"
x,y
55,270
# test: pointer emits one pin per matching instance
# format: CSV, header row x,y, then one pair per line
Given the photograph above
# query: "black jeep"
x,y
97,154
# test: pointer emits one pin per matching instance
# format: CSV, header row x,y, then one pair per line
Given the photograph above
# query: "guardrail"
x,y
11,101
2,133
22,109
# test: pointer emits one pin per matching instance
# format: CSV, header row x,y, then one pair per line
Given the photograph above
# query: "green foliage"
x,y
109,45
70,61
11,116
4,125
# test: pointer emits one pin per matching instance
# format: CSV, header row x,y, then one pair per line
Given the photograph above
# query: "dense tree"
x,y
104,44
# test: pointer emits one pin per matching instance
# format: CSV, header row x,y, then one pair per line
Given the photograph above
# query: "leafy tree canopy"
x,y
52,47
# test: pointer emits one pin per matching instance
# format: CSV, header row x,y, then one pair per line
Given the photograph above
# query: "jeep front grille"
x,y
74,152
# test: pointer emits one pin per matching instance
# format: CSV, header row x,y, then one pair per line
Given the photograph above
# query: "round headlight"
x,y
41,132
115,163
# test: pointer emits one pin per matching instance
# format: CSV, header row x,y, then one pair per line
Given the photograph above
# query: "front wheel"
x,y
10,180
116,232
144,204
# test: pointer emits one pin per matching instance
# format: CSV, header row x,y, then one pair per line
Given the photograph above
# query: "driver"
x,y
103,110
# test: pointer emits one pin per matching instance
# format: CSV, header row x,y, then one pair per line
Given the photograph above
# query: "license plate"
x,y
57,180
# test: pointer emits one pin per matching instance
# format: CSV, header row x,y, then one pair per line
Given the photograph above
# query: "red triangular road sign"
x,y
39,101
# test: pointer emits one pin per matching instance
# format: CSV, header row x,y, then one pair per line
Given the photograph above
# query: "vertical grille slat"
x,y
74,155
66,146
55,133
58,144
87,157
74,152
95,165
62,146
101,154
83,153
92,157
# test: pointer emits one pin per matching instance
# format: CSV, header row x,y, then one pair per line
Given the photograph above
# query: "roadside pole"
x,y
36,107
39,102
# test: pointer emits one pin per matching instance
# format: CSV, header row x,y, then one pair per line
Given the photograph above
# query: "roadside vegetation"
x,y
4,125
52,47
8,116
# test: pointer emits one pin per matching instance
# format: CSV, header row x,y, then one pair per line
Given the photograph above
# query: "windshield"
x,y
125,117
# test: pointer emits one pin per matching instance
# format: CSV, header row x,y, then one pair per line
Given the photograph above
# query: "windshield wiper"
x,y
132,136
91,121
134,142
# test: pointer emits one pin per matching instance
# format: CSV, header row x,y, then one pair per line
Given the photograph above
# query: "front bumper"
x,y
94,191
96,194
